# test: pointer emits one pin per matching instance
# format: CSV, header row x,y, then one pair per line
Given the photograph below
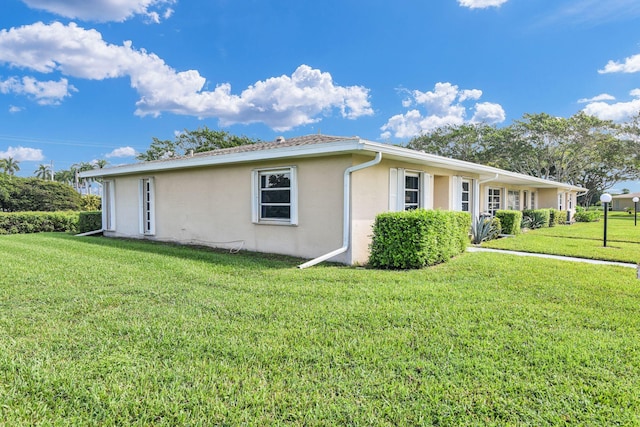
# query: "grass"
x,y
581,239
96,331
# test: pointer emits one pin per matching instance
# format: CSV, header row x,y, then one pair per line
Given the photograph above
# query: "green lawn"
x,y
96,331
581,239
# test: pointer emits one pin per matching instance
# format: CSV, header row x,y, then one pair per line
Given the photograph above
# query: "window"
x,y
465,195
494,200
411,191
275,196
560,200
533,200
525,200
569,201
513,200
408,190
108,206
147,207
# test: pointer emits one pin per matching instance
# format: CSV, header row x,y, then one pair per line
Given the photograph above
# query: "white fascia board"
x,y
336,147
310,150
463,166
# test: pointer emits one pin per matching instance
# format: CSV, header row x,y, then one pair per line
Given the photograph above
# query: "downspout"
x,y
489,179
346,217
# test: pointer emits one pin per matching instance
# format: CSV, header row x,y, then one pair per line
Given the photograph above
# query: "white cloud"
x,y
45,93
122,152
488,112
105,10
14,109
280,102
601,97
631,64
617,112
23,154
481,4
443,106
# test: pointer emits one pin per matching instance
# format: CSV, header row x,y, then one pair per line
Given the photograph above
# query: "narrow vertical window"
x,y
533,200
411,191
513,200
108,206
147,202
465,195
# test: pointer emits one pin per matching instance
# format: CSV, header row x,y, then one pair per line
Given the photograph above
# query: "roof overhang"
x,y
347,146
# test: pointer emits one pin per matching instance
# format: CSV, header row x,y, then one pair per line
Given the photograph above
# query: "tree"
x,y
43,172
10,166
66,176
100,164
581,150
199,140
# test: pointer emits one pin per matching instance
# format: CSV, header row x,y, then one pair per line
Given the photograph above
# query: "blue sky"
x,y
81,80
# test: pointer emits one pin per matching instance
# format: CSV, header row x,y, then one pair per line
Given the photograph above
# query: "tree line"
x,y
580,150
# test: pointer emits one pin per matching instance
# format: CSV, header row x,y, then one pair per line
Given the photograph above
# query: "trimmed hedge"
x,y
511,221
89,221
36,195
419,238
557,217
587,216
37,222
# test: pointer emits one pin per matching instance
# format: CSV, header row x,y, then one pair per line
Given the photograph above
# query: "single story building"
x,y
621,202
313,197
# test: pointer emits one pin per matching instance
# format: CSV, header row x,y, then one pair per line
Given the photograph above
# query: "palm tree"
x,y
100,164
43,172
65,176
10,166
3,163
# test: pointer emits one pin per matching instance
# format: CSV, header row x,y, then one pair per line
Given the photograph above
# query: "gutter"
x,y
346,217
484,181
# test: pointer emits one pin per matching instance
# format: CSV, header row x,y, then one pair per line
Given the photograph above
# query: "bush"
x,y
510,221
557,217
419,238
89,221
36,195
91,202
587,216
37,222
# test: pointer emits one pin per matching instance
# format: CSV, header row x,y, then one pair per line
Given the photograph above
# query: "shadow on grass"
x,y
188,252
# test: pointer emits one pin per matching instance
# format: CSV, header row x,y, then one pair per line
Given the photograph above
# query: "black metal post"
x,y
635,214
606,210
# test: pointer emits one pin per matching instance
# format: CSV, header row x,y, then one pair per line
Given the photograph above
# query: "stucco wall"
x,y
212,206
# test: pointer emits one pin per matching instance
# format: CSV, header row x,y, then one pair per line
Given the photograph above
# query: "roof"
x,y
324,145
626,196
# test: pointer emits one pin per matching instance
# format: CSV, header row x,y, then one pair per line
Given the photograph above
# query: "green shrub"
x,y
36,195
510,221
91,202
419,238
557,217
89,221
587,216
37,222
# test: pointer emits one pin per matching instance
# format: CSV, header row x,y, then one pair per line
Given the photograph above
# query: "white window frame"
x,y
398,190
147,208
492,205
108,205
533,200
525,199
469,193
257,204
560,201
515,194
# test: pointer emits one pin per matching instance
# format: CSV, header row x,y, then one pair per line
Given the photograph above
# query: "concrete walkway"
x,y
558,257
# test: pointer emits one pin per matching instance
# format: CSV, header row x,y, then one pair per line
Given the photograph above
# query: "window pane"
x,y
465,197
278,180
411,182
276,212
275,196
411,197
